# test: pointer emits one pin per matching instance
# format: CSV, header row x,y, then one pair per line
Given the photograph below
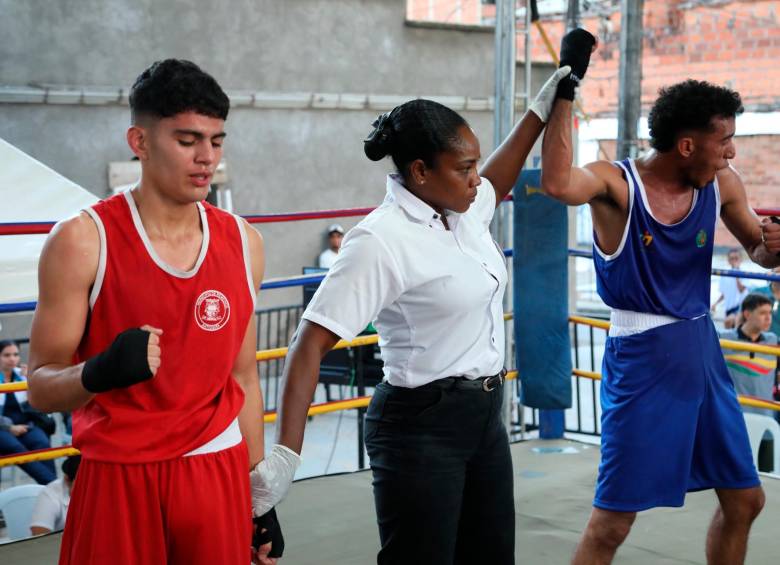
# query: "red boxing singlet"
x,y
203,313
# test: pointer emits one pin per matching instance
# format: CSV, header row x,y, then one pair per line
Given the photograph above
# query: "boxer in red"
x,y
145,329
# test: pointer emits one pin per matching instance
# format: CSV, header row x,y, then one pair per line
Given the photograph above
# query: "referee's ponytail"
x,y
418,129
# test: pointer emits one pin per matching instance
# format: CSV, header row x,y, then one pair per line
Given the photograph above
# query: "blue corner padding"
x,y
541,305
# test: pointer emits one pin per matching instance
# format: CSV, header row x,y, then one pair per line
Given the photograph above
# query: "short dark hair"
x,y
689,105
174,86
7,343
71,466
755,300
418,129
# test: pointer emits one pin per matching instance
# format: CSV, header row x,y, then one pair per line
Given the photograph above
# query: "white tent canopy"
x,y
30,192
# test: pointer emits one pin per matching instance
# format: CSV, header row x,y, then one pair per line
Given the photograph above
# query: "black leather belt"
x,y
486,384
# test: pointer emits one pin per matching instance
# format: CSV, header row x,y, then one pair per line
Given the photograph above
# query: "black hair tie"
x,y
380,133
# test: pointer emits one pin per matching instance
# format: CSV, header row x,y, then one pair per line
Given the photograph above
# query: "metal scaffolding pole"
x,y
503,121
630,76
573,15
504,109
529,11
503,115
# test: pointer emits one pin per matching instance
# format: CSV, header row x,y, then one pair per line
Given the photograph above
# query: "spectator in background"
x,y
732,291
18,431
754,373
51,508
772,290
327,257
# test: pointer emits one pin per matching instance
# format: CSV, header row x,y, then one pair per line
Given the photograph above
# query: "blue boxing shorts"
x,y
670,419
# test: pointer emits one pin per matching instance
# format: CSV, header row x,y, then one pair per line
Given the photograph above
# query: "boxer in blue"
x,y
671,422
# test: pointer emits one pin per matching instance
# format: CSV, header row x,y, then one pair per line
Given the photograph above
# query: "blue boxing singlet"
x,y
660,268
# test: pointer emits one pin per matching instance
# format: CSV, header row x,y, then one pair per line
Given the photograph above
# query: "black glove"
x,y
123,364
267,529
576,47
775,220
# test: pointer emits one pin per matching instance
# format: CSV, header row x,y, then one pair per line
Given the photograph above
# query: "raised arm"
x,y
66,272
504,165
560,180
570,185
761,239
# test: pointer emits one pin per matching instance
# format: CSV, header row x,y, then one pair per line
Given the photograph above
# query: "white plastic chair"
x,y
16,504
757,424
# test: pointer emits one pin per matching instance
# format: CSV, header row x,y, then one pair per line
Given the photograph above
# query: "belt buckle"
x,y
488,382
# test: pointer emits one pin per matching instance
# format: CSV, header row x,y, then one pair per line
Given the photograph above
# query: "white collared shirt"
x,y
435,296
51,506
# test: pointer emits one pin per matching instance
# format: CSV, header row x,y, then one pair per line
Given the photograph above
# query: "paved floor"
x,y
330,520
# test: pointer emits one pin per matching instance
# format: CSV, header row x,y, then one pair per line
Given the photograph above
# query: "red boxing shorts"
x,y
190,510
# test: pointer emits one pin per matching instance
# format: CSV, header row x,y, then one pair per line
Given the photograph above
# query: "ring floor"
x,y
330,520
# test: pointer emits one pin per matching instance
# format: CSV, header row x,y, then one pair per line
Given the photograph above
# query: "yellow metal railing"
x,y
314,410
362,402
724,343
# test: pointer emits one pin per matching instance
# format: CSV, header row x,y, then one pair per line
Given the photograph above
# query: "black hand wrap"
x,y
124,363
775,220
267,529
576,47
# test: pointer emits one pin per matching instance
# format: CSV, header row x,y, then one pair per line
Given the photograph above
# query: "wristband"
x,y
123,364
267,529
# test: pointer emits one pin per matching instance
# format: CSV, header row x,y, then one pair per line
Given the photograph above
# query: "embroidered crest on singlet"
x,y
212,310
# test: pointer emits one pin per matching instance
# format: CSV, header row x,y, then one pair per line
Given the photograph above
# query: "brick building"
x,y
735,43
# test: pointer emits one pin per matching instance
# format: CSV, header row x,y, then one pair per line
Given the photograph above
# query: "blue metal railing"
x,y
313,279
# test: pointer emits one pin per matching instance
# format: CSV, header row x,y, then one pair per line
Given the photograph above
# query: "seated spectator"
x,y
51,508
20,429
732,291
327,257
772,290
754,373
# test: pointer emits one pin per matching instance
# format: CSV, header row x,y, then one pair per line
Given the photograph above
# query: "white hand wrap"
x,y
271,478
543,103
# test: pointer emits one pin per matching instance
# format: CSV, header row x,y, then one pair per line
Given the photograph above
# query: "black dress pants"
x,y
442,475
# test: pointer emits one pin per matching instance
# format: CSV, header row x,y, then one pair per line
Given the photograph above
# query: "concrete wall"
x,y
279,159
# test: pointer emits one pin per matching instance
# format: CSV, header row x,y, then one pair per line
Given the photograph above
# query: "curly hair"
x,y
174,86
689,105
418,129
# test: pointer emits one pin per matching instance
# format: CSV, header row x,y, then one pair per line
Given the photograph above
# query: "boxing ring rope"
x,y
716,272
38,228
300,280
41,228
